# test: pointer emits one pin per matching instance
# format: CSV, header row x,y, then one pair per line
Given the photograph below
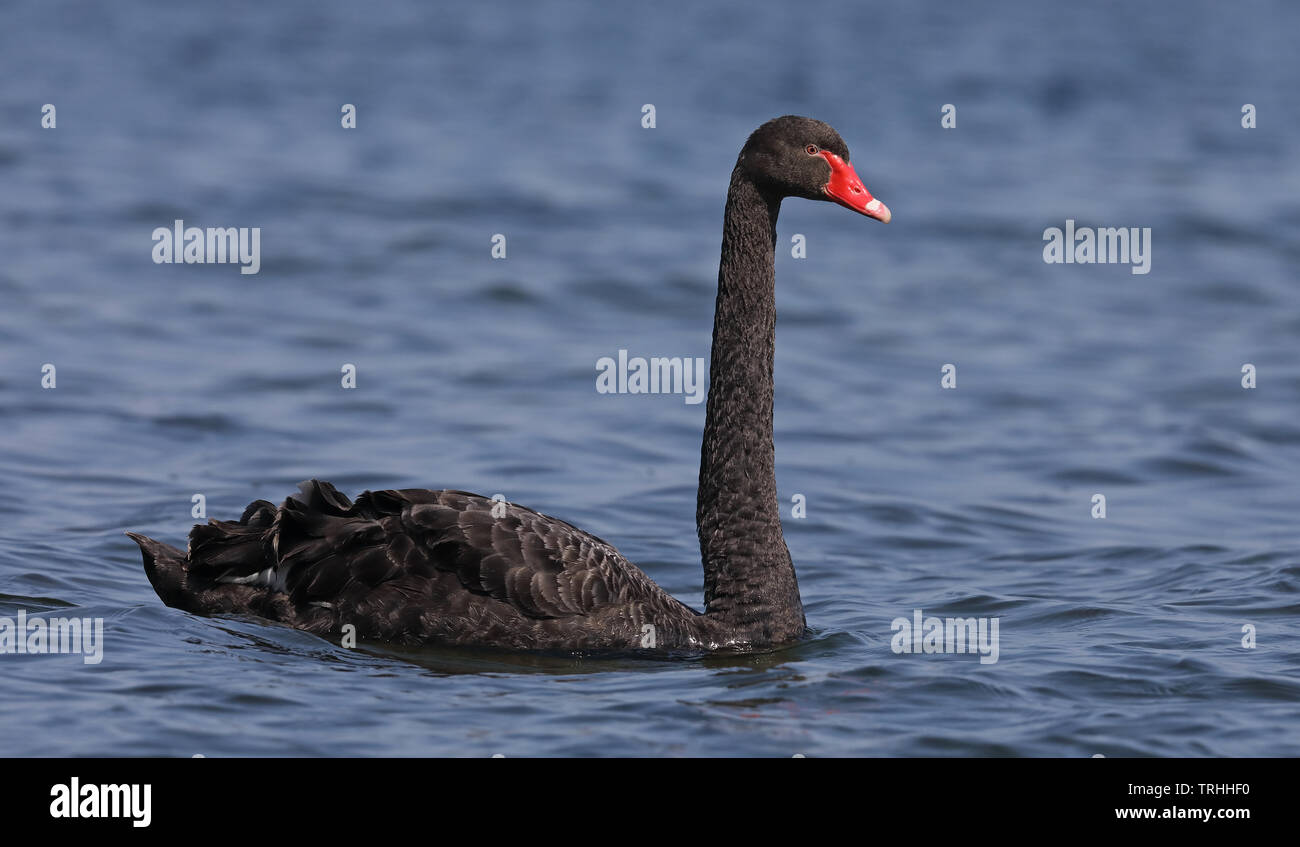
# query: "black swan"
x,y
442,567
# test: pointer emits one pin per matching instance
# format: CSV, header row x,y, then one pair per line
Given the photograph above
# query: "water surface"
x,y
1120,636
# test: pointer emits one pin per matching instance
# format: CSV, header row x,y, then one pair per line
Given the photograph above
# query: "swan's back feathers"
x,y
424,566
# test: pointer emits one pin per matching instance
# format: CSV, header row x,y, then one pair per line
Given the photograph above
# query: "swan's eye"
x,y
812,149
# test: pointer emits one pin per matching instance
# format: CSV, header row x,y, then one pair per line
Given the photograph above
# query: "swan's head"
x,y
802,157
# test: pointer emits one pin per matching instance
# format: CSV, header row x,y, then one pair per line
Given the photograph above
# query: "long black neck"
x,y
749,581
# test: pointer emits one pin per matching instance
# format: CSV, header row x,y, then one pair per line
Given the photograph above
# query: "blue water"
x,y
1120,636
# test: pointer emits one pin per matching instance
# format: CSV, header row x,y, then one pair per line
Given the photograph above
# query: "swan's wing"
x,y
394,548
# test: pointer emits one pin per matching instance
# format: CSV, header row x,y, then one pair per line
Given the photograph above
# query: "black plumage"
x,y
450,567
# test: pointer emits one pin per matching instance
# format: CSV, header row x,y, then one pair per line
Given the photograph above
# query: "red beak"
x,y
846,189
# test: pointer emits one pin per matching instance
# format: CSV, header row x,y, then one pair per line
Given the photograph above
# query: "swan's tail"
x,y
229,567
166,568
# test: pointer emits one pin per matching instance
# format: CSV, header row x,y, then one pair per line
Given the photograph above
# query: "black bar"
x,y
439,797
